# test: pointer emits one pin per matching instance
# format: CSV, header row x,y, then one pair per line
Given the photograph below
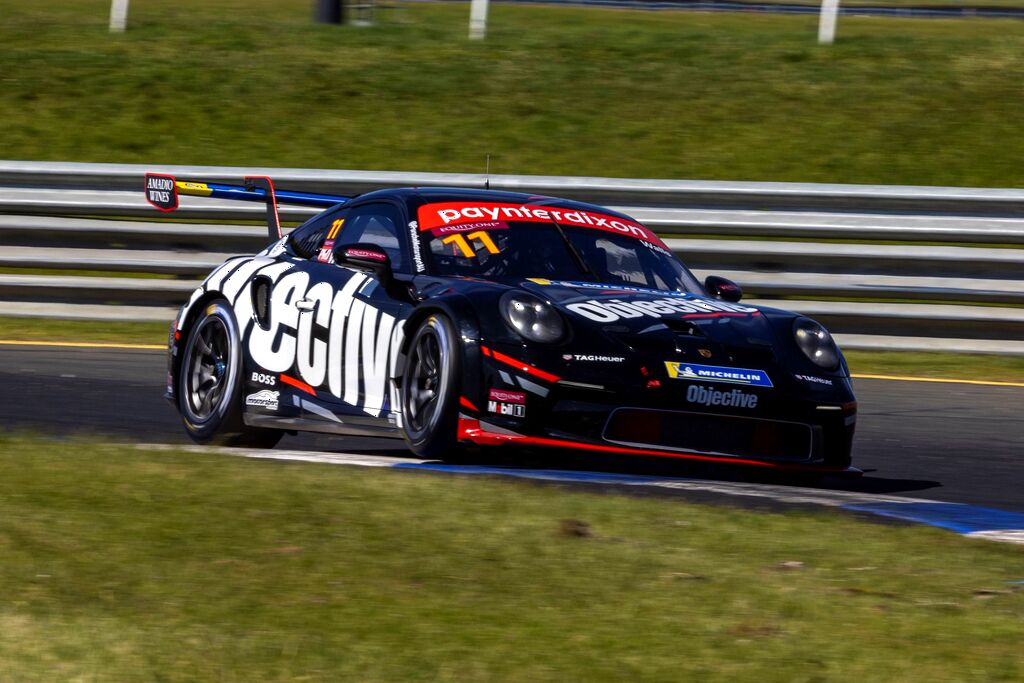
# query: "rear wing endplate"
x,y
162,191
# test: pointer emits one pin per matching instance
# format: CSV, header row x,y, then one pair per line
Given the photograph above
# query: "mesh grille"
x,y
744,437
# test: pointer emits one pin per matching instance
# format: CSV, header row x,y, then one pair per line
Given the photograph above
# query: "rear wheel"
x,y
210,383
430,389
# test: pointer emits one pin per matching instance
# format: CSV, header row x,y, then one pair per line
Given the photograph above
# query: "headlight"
x,y
532,318
816,343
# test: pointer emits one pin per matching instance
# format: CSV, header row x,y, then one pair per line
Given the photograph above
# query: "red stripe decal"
x,y
466,403
298,384
519,365
471,430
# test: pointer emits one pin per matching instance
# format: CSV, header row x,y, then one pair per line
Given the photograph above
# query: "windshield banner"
x,y
435,216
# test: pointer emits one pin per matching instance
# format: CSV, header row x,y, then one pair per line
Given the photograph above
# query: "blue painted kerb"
x,y
552,475
963,519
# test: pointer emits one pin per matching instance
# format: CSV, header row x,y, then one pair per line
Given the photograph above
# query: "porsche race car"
x,y
457,317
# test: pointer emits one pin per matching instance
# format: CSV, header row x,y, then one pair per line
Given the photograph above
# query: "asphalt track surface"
x,y
949,442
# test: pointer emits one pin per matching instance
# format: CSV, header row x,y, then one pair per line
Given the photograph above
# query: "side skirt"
x,y
354,426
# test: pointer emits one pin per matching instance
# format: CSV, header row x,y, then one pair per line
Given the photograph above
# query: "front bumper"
x,y
636,408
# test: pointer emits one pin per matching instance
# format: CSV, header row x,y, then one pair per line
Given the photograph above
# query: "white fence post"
x,y
118,15
827,21
478,19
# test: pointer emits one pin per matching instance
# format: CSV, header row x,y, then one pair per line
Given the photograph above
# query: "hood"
x,y
663,322
611,319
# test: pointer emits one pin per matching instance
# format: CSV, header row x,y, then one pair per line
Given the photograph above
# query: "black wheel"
x,y
430,389
210,383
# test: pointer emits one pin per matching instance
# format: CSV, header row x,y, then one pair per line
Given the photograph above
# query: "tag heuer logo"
x,y
592,358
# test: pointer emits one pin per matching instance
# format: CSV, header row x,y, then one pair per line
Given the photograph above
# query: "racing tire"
x,y
430,389
210,383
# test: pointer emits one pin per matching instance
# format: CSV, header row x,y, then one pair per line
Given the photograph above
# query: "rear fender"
x,y
231,282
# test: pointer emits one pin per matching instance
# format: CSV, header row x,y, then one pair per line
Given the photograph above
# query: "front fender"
x,y
461,311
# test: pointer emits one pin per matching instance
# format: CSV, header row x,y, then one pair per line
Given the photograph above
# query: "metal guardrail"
x,y
884,267
706,193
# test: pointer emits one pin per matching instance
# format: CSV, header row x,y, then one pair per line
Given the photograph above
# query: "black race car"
x,y
452,317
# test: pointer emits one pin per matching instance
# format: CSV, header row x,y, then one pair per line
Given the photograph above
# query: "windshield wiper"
x,y
576,256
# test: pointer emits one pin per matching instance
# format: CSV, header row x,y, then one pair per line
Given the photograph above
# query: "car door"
x,y
349,326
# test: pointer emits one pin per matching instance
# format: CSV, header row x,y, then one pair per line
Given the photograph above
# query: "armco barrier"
x,y
884,267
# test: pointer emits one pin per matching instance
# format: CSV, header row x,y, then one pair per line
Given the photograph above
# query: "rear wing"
x,y
162,191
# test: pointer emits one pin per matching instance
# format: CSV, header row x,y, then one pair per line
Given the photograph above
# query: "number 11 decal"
x,y
462,242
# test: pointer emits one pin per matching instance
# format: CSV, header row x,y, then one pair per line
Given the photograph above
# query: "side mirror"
x,y
366,257
723,289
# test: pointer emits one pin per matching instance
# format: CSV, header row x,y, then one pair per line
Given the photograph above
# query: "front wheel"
x,y
430,389
210,383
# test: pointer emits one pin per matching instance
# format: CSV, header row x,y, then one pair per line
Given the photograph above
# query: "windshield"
x,y
498,249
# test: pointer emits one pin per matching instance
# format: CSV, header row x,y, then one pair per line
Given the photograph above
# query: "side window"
x,y
307,239
375,224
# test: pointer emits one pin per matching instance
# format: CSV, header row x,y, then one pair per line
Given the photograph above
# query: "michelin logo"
x,y
263,399
712,397
714,373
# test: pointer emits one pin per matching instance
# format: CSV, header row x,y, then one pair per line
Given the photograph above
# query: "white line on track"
x,y
1007,536
356,459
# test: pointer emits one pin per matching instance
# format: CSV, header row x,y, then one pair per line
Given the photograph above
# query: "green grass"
x,y
47,329
120,564
890,300
7,270
553,90
943,365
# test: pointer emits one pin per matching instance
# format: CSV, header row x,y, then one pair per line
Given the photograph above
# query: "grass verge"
x,y
973,366
84,273
47,329
553,90
128,565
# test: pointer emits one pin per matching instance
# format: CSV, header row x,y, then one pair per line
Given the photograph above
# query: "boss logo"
x,y
260,378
